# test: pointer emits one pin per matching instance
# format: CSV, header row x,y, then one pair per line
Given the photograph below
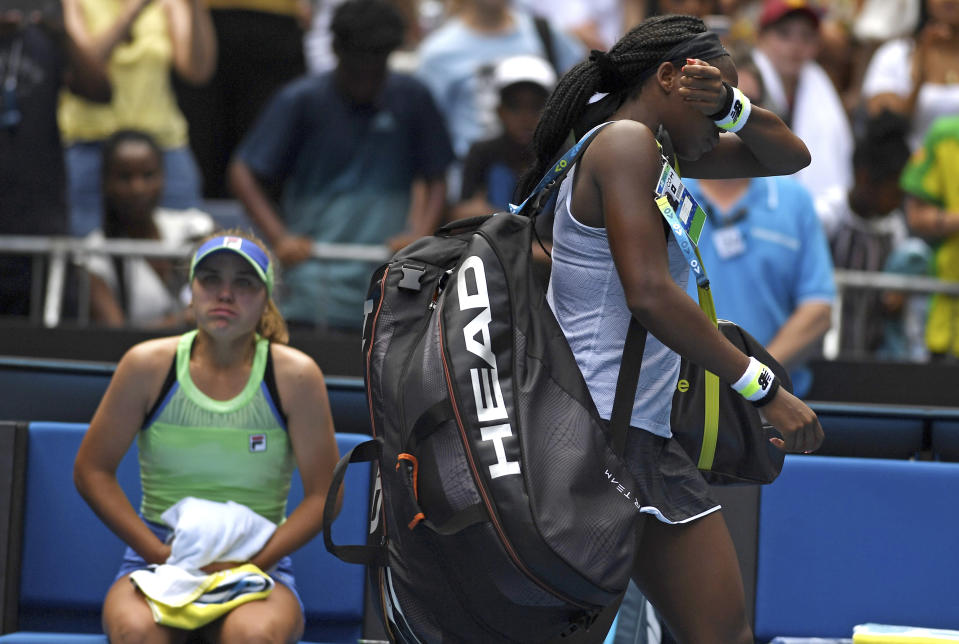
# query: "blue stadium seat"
x,y
870,431
348,403
69,558
844,541
945,439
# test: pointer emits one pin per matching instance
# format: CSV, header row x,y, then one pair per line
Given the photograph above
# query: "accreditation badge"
x,y
729,242
690,213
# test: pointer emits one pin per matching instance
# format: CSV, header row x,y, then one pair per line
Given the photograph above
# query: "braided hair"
x,y
620,72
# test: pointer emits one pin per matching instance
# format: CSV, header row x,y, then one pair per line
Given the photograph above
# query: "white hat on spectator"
x,y
524,69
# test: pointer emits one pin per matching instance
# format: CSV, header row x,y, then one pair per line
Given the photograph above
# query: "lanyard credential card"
x,y
670,194
689,212
670,191
686,244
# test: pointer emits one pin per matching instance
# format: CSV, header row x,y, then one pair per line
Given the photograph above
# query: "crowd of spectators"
x,y
373,121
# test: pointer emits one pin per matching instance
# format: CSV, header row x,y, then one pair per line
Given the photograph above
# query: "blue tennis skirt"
x,y
282,572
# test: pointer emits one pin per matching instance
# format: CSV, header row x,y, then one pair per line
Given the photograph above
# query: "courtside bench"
x,y
59,568
846,541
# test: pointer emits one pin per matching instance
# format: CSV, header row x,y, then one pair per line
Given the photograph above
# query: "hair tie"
x,y
610,78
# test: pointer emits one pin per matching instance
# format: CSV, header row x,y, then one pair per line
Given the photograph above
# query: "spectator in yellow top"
x,y
142,41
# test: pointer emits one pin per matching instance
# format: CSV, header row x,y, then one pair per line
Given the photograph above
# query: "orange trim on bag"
x,y
416,520
416,469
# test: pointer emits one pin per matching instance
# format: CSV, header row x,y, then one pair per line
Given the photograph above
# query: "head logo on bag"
x,y
487,392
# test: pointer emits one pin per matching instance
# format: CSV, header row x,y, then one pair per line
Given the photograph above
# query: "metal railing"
x,y
60,251
877,281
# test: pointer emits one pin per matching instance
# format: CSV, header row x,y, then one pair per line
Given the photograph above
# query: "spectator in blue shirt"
x,y
341,153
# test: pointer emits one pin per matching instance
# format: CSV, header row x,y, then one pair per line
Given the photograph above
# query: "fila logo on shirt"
x,y
257,442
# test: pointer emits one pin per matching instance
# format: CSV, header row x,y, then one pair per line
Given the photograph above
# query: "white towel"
x,y
818,118
204,532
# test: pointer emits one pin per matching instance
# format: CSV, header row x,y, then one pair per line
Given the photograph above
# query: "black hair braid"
x,y
562,108
640,50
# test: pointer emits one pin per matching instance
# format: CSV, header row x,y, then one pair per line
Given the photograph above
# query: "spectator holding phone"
x,y
142,42
38,58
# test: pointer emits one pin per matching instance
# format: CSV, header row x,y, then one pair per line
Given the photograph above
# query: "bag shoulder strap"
x,y
533,204
626,384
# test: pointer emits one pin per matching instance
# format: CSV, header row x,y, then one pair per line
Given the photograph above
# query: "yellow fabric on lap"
x,y
196,614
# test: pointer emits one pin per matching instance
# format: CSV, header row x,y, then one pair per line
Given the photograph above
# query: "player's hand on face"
x,y
701,85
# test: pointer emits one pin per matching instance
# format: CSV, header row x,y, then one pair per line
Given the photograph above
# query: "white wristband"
x,y
757,381
738,113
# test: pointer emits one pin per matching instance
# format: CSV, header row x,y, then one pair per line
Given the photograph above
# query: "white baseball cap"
x,y
524,69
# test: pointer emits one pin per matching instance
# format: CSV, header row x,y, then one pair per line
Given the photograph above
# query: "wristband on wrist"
x,y
758,384
727,103
738,112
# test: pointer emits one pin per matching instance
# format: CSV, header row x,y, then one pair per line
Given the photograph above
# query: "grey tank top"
x,y
587,298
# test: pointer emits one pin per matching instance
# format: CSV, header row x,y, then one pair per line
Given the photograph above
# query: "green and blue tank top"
x,y
221,450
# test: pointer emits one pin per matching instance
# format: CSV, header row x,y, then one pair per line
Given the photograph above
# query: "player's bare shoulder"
x,y
150,356
297,374
143,368
624,146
